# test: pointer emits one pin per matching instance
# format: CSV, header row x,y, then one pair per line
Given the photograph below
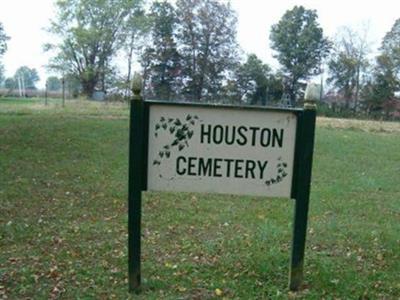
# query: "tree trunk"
x,y
357,89
88,87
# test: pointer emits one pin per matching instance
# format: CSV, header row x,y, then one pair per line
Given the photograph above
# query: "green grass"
x,y
63,218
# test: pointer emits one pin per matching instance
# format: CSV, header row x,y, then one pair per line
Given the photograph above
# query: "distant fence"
x,y
30,93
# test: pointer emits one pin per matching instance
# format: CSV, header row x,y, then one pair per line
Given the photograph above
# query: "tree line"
x,y
187,50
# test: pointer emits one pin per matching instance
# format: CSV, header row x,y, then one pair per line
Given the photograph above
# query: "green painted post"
x,y
136,156
302,184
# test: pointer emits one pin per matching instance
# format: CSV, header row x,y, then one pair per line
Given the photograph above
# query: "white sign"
x,y
221,150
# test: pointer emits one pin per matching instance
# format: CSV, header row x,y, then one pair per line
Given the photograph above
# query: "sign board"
x,y
221,150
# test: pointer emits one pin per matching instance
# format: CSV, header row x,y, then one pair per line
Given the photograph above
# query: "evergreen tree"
x,y
161,59
207,45
300,45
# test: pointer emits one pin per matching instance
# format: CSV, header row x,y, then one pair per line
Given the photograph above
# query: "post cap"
x,y
136,84
312,94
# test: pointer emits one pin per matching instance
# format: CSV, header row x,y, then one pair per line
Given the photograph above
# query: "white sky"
x,y
24,21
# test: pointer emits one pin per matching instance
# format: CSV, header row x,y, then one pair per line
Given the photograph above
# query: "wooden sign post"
x,y
220,149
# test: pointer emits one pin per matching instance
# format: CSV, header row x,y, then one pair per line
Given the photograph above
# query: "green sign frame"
x,y
300,192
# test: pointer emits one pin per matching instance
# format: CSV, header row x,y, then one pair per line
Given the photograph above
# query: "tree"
x,y
91,33
3,48
27,77
252,80
53,84
1,74
206,36
379,92
134,34
10,84
161,58
391,46
254,83
3,40
300,45
348,62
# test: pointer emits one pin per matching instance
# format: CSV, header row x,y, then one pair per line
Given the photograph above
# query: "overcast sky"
x,y
24,21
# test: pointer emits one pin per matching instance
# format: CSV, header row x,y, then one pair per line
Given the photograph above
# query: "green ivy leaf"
x,y
172,129
167,154
179,134
190,134
177,122
188,117
181,146
164,126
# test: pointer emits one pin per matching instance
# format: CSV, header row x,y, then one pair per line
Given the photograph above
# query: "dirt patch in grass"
x,y
364,125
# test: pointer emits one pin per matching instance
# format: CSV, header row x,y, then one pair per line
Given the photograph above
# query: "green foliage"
x,y
53,83
252,78
391,46
3,40
300,45
1,74
10,83
161,59
347,64
28,77
3,48
379,92
206,37
91,33
254,82
134,37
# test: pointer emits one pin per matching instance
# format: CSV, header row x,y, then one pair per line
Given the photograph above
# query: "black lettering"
x,y
250,166
232,135
218,134
191,166
228,166
277,137
265,137
253,137
238,168
204,133
243,140
217,167
179,170
205,167
262,168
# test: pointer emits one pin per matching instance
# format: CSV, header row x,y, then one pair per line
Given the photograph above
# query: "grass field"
x,y
63,216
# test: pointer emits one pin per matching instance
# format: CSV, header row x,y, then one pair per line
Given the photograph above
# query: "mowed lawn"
x,y
63,217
